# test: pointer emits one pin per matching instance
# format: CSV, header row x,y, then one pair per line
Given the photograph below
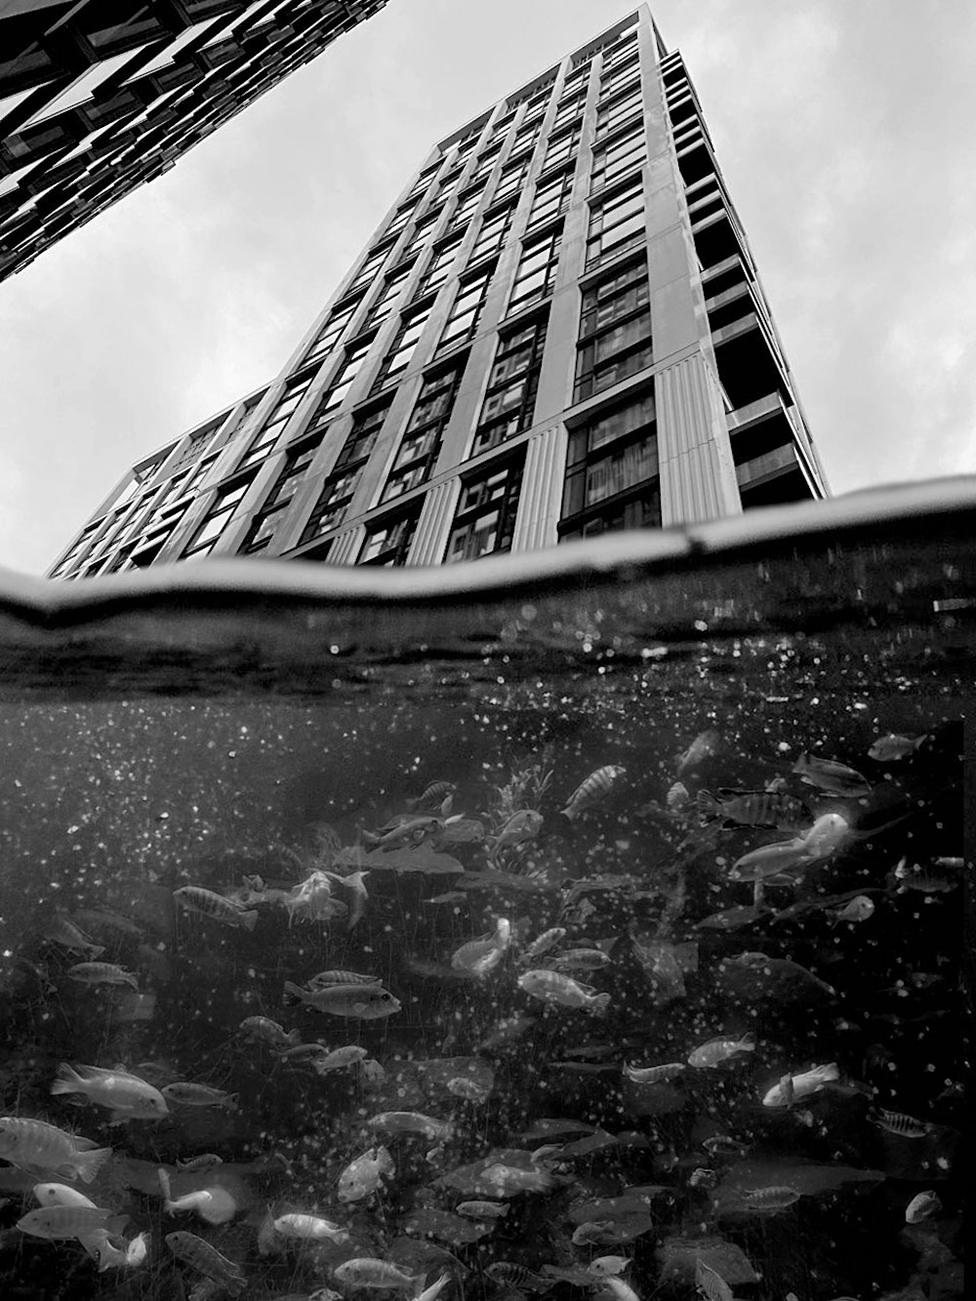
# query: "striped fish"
x,y
755,809
896,1122
773,1198
207,1260
339,977
198,900
433,797
593,789
508,1273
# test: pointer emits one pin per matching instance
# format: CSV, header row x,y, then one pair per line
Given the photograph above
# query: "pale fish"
x,y
310,1228
408,833
520,829
858,909
367,1272
543,943
801,1086
59,1222
830,775
338,1059
773,1198
411,1122
467,1090
127,1096
311,900
476,1210
554,987
711,1054
186,1094
581,960
593,789
891,748
705,746
261,1029
482,956
206,903
365,1002
216,1204
38,1145
654,1074
922,1207
102,973
363,1176
608,1266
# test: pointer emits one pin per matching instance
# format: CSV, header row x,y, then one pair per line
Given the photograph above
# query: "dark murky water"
x,y
282,771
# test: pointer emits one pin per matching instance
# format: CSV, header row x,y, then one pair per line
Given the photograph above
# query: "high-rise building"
x,y
557,330
98,96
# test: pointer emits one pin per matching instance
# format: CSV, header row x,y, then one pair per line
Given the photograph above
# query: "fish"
x,y
754,809
724,1145
801,1086
462,831
731,919
773,1198
479,957
59,1222
432,1292
754,977
702,1177
355,882
581,960
433,797
770,860
618,1289
205,1161
206,1260
705,746
365,1002
127,1096
338,1059
60,929
206,903
830,775
216,1205
592,790
608,1266
710,1283
897,1122
892,747
654,1074
38,1145
310,1228
186,1094
554,987
543,943
509,1031
520,829
467,1090
102,973
677,799
483,1210
367,1272
411,1122
96,1242
922,1207
448,896
858,909
715,1051
500,1179
339,977
261,1029
509,1274
311,900
927,880
363,1176
410,833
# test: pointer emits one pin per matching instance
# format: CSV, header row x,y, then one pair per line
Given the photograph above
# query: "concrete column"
x,y
345,547
434,524
540,500
697,474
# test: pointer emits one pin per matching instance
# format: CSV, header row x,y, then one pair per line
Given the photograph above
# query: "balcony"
x,y
768,468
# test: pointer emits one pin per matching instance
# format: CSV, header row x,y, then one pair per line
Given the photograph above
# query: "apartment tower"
x,y
557,330
98,96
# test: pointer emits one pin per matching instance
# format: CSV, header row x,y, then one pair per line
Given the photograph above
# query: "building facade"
x,y
557,330
98,96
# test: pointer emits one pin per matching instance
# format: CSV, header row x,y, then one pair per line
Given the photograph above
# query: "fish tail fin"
x,y
569,813
292,995
88,1164
249,919
68,1080
830,1071
369,839
599,1005
748,1042
708,806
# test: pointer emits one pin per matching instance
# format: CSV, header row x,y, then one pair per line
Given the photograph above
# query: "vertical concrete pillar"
x,y
697,474
434,524
541,497
345,548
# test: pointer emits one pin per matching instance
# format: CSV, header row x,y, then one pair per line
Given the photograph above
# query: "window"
x,y
402,348
536,272
424,179
392,288
337,490
562,148
217,518
612,356
620,53
613,298
399,220
509,403
616,223
467,203
612,457
267,522
267,435
447,185
485,165
355,356
198,443
511,179
466,311
439,266
388,542
491,237
420,235
369,269
617,111
578,78
485,518
421,443
618,75
526,135
615,159
569,108
502,125
551,198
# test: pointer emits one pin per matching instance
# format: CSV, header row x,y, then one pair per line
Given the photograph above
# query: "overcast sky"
x,y
843,128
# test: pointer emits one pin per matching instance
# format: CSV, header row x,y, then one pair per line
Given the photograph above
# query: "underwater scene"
x,y
555,959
